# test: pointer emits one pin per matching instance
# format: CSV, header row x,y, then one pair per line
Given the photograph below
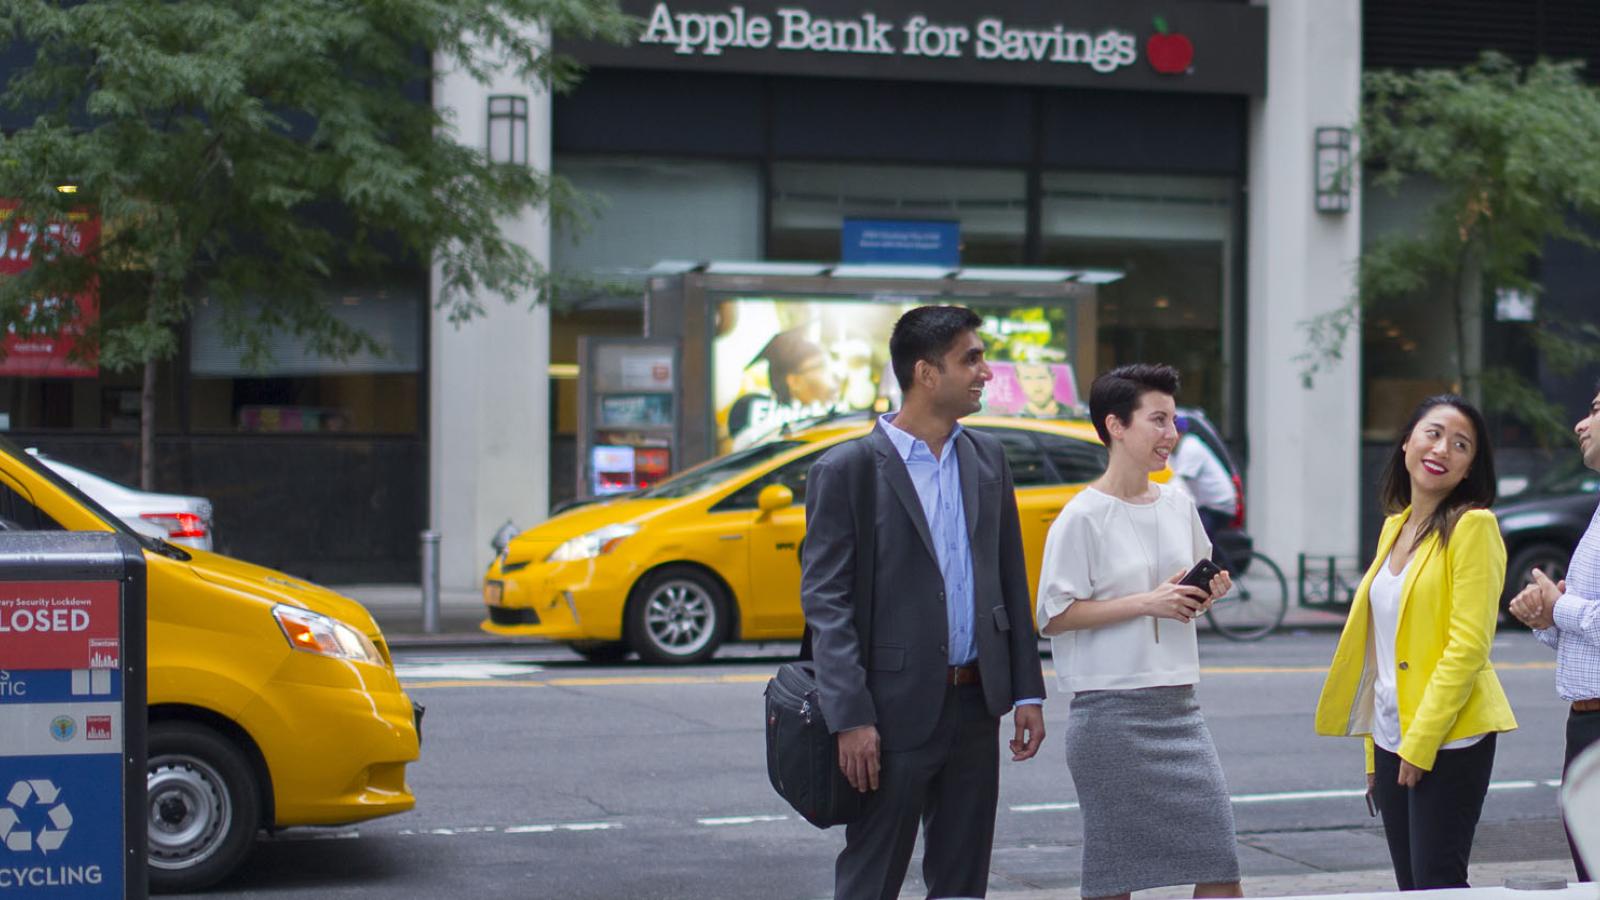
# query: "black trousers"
x,y
949,786
1430,827
1583,730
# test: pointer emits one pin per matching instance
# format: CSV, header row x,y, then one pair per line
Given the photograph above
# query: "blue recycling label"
x,y
60,685
61,827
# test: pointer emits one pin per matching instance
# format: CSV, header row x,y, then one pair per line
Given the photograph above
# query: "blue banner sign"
x,y
901,241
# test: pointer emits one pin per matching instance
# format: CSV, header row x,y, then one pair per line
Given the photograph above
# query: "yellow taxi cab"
x,y
272,702
712,554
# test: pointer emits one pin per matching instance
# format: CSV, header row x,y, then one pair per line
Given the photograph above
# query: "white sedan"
x,y
174,518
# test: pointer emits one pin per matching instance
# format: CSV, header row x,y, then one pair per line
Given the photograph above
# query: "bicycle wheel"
x,y
1257,605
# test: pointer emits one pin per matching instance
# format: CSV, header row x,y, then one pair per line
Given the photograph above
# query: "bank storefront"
x,y
1082,141
1105,146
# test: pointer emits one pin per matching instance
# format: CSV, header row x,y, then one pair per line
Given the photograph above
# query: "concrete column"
x,y
1304,488
489,389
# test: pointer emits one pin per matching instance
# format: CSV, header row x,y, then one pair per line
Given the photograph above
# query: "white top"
x,y
1101,548
1204,476
1384,596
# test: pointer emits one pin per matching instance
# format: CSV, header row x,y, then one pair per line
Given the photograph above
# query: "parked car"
x,y
272,702
712,554
1542,523
175,518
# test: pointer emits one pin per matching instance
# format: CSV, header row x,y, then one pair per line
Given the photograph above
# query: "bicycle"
x,y
1259,599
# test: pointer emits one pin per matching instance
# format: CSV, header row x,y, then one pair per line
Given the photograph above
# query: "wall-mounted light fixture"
x,y
1333,170
508,129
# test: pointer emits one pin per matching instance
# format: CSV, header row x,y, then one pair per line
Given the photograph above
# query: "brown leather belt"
x,y
967,674
1592,705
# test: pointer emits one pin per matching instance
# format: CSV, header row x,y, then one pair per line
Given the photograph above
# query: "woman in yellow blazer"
x,y
1411,672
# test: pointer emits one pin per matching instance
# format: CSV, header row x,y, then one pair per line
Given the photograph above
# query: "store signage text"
x,y
795,29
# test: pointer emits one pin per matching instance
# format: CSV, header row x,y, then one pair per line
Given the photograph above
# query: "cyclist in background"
x,y
1206,479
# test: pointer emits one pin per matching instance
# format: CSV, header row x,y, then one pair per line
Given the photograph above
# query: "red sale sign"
x,y
58,625
33,353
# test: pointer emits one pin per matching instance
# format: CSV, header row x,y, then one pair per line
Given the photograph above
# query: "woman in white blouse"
x,y
1155,807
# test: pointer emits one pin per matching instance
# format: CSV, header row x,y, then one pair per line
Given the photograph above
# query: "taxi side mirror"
x,y
774,497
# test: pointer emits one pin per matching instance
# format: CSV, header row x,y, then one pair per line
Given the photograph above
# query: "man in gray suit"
x,y
951,646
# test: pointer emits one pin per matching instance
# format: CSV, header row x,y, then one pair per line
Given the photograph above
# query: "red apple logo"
x,y
1169,54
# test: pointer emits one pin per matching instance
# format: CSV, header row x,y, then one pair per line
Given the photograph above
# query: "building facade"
x,y
1174,145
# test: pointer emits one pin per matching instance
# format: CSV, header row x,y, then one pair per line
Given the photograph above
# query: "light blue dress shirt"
x,y
938,484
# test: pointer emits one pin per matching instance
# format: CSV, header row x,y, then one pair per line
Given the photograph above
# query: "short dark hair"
x,y
1476,491
1117,392
927,333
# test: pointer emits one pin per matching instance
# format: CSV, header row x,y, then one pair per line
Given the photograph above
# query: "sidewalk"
x,y
1486,879
398,609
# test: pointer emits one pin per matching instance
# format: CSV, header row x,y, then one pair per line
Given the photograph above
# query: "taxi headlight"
x,y
324,635
595,543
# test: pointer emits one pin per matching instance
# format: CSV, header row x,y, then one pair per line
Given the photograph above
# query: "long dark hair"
x,y
1476,491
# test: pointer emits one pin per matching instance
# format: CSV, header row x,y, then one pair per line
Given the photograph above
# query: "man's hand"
x,y
1535,605
858,757
1030,731
1409,775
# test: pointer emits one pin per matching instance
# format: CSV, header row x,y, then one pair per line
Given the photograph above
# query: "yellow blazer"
x,y
1449,606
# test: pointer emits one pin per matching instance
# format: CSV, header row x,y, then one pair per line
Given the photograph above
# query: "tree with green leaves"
x,y
246,152
1505,156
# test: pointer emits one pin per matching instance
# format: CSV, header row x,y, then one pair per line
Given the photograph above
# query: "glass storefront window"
x,y
646,210
294,390
810,202
1172,240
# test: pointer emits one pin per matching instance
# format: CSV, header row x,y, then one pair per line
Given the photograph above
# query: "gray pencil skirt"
x,y
1155,807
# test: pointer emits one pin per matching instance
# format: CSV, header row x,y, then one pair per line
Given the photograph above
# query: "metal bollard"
x,y
430,582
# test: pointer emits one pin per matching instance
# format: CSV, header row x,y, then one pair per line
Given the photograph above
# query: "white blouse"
x,y
1101,548
1384,596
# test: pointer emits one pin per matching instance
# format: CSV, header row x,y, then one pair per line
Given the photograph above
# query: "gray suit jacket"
x,y
904,690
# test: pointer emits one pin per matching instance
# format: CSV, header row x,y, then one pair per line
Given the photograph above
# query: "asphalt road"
x,y
542,776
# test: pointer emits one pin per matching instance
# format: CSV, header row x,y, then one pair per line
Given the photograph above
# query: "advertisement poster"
x,y
47,353
778,361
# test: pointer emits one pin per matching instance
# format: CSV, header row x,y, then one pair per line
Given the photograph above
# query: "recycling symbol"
x,y
39,793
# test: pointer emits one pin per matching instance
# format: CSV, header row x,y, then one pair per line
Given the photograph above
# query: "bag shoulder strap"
x,y
863,504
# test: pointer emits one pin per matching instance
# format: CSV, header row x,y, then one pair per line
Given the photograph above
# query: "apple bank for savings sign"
x,y
1135,44
798,30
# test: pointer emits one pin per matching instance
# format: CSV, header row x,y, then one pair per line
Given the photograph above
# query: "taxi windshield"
x,y
708,475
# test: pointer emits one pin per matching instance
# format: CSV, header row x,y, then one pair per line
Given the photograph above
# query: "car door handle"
x,y
731,537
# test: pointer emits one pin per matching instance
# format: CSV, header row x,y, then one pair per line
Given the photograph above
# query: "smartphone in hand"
x,y
1200,576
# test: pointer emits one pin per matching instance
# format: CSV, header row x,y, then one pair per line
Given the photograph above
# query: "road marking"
x,y
510,829
448,681
570,826
741,820
1043,807
462,670
1289,796
601,681
291,836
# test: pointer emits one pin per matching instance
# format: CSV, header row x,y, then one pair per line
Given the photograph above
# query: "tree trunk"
x,y
147,428
1469,328
147,403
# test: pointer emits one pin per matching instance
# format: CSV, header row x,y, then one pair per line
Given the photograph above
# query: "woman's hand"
x,y
1221,584
1409,775
1175,601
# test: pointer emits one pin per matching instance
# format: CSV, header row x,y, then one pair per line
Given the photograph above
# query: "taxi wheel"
x,y
203,808
678,615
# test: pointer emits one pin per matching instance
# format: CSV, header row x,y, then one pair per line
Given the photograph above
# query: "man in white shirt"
x,y
1566,618
1207,481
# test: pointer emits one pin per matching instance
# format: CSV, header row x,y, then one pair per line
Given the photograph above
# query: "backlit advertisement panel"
x,y
782,360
